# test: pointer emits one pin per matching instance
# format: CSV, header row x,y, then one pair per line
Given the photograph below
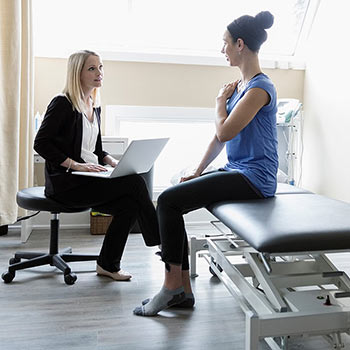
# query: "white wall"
x,y
326,161
156,84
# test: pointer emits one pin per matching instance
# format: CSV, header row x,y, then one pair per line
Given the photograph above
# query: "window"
x,y
184,150
191,28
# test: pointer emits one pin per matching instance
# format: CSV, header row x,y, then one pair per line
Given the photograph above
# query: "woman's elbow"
x,y
223,137
39,145
35,146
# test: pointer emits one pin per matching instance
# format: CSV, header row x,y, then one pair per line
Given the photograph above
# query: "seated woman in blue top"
x,y
246,123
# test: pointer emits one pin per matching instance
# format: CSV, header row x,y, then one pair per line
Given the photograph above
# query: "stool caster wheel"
x,y
14,261
212,271
8,276
70,278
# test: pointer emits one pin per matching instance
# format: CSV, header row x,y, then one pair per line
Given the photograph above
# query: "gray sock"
x,y
161,301
188,302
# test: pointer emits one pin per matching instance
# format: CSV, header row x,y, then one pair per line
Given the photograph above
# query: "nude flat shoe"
x,y
117,276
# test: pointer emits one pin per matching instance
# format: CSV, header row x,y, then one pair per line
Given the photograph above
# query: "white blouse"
x,y
88,145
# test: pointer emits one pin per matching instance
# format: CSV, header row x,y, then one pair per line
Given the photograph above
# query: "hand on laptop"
x,y
114,163
89,167
109,160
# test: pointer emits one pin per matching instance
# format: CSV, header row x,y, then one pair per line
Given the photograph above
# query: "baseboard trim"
x,y
63,227
87,226
82,220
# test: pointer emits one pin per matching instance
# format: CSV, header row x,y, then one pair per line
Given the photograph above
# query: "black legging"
x,y
191,195
128,200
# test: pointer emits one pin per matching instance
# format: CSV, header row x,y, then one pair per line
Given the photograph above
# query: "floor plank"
x,y
39,311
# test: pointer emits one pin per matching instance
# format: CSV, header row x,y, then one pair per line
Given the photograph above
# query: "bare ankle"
x,y
186,282
172,285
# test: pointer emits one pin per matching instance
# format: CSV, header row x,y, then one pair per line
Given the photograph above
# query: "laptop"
x,y
138,158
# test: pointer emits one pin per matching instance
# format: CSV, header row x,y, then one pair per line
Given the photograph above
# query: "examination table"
x,y
274,260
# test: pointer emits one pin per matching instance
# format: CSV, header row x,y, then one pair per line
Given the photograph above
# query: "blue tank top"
x,y
253,152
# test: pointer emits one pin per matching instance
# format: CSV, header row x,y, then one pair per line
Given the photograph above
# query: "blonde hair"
x,y
73,89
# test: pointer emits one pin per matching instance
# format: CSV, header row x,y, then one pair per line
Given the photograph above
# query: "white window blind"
x,y
181,27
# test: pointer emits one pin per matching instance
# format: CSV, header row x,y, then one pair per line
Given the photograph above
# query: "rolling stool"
x,y
33,198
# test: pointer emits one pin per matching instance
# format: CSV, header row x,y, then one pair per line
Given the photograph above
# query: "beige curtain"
x,y
16,104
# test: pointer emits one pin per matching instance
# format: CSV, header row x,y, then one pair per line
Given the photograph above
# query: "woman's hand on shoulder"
x,y
88,167
227,90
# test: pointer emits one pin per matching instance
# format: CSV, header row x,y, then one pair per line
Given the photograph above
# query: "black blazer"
x,y
60,136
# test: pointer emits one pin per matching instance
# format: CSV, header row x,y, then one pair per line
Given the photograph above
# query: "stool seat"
x,y
34,198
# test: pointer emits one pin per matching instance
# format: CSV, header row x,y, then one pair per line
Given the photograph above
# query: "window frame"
x,y
115,114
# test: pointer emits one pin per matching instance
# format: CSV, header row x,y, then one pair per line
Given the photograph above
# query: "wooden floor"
x,y
39,311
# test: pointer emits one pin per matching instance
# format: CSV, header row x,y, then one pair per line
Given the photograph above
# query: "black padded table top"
x,y
288,222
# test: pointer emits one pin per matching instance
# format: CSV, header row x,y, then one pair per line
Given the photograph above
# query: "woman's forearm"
x,y
220,117
214,148
69,163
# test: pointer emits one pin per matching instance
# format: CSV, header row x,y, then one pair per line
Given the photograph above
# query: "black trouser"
x,y
191,195
128,200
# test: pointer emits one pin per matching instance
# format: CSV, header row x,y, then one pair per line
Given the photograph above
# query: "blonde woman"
x,y
70,139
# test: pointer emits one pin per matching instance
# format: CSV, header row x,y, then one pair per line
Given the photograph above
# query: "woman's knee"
x,y
168,198
138,184
164,197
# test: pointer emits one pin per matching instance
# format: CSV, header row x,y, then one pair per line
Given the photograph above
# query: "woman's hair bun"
x,y
264,19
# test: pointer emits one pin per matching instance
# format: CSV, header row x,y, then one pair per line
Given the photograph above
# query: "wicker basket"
x,y
99,224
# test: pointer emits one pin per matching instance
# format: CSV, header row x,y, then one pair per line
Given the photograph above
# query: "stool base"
x,y
39,259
